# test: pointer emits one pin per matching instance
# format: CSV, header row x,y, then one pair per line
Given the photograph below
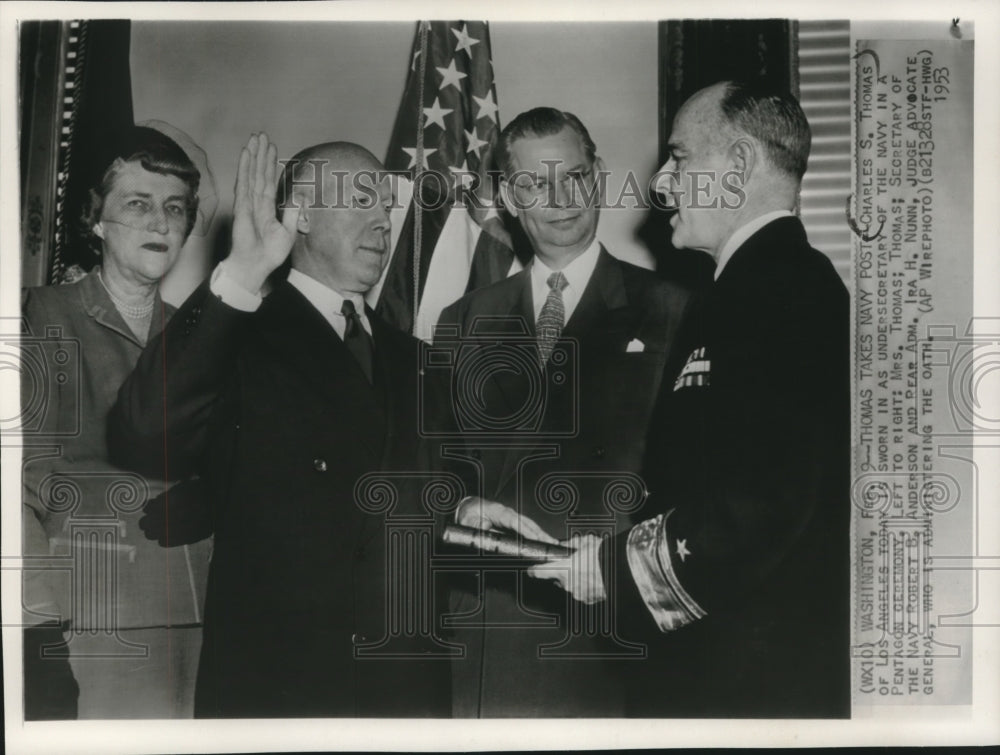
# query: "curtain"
x,y
75,96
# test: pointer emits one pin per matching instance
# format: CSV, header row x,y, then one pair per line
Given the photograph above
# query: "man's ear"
x,y
744,155
302,225
507,196
598,172
98,230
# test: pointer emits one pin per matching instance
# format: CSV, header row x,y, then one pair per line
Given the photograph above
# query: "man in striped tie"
x,y
571,351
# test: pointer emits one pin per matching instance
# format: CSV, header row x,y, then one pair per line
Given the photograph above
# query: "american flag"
x,y
453,241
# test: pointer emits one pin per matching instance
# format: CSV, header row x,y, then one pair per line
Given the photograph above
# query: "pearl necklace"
x,y
124,308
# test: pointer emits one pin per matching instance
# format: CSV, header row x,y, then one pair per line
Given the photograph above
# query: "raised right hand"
x,y
261,242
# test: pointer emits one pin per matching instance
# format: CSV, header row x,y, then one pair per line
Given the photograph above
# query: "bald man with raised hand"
x,y
283,403
738,581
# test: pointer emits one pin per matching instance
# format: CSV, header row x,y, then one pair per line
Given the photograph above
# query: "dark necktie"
x,y
552,317
357,340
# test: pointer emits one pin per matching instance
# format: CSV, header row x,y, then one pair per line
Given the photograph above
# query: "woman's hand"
x,y
261,242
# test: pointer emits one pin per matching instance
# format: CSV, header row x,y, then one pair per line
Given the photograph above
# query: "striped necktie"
x,y
552,317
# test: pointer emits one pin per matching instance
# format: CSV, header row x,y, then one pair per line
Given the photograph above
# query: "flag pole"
x,y
418,226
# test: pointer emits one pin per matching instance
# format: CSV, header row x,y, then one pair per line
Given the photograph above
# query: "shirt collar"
x,y
322,297
577,272
741,234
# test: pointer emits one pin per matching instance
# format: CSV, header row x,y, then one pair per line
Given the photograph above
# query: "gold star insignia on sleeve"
x,y
682,549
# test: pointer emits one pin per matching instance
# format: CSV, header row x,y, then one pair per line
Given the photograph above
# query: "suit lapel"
x,y
605,291
524,307
510,385
396,367
393,372
595,319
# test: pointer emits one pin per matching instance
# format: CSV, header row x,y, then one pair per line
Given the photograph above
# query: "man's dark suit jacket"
x,y
753,460
572,463
271,408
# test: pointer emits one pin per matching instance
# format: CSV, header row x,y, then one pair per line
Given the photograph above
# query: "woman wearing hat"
x,y
112,617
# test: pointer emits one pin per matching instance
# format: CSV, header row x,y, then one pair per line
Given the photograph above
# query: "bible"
x,y
503,544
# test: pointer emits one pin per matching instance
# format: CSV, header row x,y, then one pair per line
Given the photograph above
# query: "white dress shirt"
x,y
744,232
326,301
577,274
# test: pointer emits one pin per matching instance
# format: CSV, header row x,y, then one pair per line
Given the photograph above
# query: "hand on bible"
x,y
261,242
490,515
580,574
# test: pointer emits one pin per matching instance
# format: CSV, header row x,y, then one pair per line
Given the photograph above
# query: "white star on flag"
x,y
491,213
451,75
412,152
462,174
465,42
487,107
475,143
446,249
436,113
682,549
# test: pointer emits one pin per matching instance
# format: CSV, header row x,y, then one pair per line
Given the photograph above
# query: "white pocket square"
x,y
635,345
